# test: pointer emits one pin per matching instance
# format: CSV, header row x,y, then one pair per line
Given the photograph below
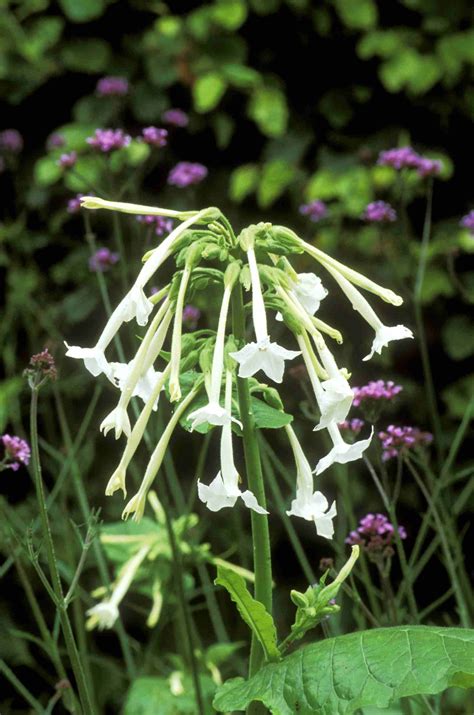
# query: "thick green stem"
x,y
260,532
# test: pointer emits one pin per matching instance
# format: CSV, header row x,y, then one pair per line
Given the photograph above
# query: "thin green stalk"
x,y
260,531
71,646
20,688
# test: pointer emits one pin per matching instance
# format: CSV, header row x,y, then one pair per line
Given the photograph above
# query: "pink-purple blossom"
x,y
467,221
102,260
186,173
375,535
67,160
155,136
428,167
376,390
396,440
41,367
16,452
314,210
107,140
55,141
191,316
74,204
112,87
406,157
379,212
161,225
353,425
175,117
11,141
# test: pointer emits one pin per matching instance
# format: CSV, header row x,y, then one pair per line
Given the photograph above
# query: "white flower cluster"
x,y
296,299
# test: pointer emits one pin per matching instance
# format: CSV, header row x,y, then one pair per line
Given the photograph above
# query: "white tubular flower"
x,y
105,614
120,372
309,292
117,480
263,354
118,421
94,359
175,389
342,452
309,505
383,333
224,490
136,505
93,202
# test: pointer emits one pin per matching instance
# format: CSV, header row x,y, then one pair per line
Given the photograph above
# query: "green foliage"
x,y
82,10
269,110
385,664
253,612
149,695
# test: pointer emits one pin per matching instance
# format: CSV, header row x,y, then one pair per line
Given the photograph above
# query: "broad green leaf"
x,y
253,612
82,10
240,75
267,417
276,176
458,337
269,110
208,91
372,668
89,170
9,393
243,181
411,70
436,283
360,15
47,170
86,55
229,14
458,396
150,696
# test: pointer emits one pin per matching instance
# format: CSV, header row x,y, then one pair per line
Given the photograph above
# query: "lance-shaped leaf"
x,y
253,612
371,668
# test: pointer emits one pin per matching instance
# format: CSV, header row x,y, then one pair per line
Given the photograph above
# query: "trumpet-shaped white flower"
x,y
309,292
118,421
342,452
384,334
137,306
103,615
212,414
262,354
224,490
94,358
120,372
309,505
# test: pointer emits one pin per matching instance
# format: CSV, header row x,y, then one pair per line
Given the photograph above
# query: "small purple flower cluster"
x,y
315,210
107,140
354,425
467,221
376,390
102,260
11,141
155,136
17,452
375,535
175,118
406,157
74,204
41,367
55,141
191,316
396,440
186,173
379,212
112,87
67,161
161,224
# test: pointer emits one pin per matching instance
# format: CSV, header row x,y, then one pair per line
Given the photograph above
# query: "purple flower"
x,y
162,225
467,221
107,140
102,260
175,117
40,368
400,158
11,140
379,212
376,390
155,136
17,452
375,535
66,161
74,204
191,316
396,440
55,141
112,87
354,425
315,210
186,173
428,167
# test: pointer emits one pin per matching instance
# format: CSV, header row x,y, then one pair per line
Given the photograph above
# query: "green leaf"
x,y
458,337
82,10
411,70
229,14
458,396
253,612
9,393
267,417
269,110
243,181
86,55
240,75
208,91
47,171
361,15
149,696
276,176
372,668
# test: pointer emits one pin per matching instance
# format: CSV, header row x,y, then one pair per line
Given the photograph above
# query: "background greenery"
x,y
288,102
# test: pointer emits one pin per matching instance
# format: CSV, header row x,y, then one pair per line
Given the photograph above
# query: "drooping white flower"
x,y
94,359
262,354
384,334
117,420
212,414
224,490
119,373
104,615
342,452
309,505
309,292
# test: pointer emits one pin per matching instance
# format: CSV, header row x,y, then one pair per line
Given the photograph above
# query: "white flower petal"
x,y
117,420
386,334
94,358
103,614
213,414
309,291
250,501
335,401
137,306
263,355
119,372
314,507
343,452
219,495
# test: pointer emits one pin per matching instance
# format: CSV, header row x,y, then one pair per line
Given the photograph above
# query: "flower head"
x,y
379,212
428,167
185,173
112,87
354,425
161,224
67,161
107,140
11,141
375,535
342,452
41,367
74,204
376,390
396,440
155,136
400,158
55,141
16,452
315,210
263,355
102,260
175,117
467,221
384,335
103,615
191,316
